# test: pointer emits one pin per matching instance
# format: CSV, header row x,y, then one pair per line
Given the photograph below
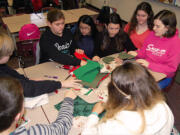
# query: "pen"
x,y
48,76
68,76
88,92
71,73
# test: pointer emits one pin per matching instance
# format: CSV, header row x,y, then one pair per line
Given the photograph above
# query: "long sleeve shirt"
x,y
112,47
56,48
158,121
60,126
137,39
87,44
31,88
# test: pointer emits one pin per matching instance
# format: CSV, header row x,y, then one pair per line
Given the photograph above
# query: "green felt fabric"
x,y
81,107
94,83
88,72
108,59
124,55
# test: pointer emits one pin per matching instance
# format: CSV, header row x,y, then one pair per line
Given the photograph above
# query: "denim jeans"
x,y
164,83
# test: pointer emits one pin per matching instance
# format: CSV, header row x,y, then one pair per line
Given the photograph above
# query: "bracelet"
x,y
95,113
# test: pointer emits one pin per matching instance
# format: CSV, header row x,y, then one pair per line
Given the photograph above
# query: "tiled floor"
x,y
173,94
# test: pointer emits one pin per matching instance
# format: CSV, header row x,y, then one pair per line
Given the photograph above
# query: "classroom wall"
x,y
126,7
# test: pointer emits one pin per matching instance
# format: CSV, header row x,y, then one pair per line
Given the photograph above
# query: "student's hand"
x,y
143,62
72,82
96,58
70,94
98,107
118,61
83,63
80,51
133,53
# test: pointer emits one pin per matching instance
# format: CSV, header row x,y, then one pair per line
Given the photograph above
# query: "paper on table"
x,y
36,101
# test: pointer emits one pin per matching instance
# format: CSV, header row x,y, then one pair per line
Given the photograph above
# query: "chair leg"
x,y
21,62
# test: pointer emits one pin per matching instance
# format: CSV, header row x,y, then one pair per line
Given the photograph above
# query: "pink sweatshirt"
x,y
163,54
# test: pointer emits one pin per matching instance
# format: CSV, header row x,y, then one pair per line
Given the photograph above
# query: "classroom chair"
x,y
25,50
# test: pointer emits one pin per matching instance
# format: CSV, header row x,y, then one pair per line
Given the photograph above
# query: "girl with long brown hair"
x,y
135,105
113,39
141,24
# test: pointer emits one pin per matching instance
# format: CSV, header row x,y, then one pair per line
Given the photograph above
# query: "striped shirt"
x,y
60,126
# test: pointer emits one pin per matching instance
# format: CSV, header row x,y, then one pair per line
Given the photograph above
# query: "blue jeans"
x,y
164,83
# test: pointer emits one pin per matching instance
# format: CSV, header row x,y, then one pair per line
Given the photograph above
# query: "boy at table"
x,y
12,109
31,88
57,41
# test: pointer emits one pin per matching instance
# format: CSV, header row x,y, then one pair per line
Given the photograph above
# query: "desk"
x,y
81,11
47,113
14,23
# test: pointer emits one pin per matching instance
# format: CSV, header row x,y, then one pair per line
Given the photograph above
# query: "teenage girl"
x,y
85,36
135,105
141,24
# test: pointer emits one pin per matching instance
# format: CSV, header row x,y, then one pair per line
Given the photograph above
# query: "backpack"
x,y
29,31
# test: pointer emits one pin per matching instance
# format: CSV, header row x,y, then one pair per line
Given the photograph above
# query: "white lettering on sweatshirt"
x,y
63,47
155,51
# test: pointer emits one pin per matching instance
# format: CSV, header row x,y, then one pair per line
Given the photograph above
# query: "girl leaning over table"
x,y
135,105
113,39
161,51
85,36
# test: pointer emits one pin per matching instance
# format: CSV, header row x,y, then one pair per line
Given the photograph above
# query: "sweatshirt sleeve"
x,y
36,88
60,126
91,127
31,88
7,71
141,53
169,66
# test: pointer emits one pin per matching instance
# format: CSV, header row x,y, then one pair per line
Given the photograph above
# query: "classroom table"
x,y
47,113
15,22
81,11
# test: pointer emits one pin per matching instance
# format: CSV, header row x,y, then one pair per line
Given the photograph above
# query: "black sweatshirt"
x,y
56,48
128,46
31,88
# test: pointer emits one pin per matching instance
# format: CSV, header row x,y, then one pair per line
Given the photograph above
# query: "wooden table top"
x,y
47,113
15,22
